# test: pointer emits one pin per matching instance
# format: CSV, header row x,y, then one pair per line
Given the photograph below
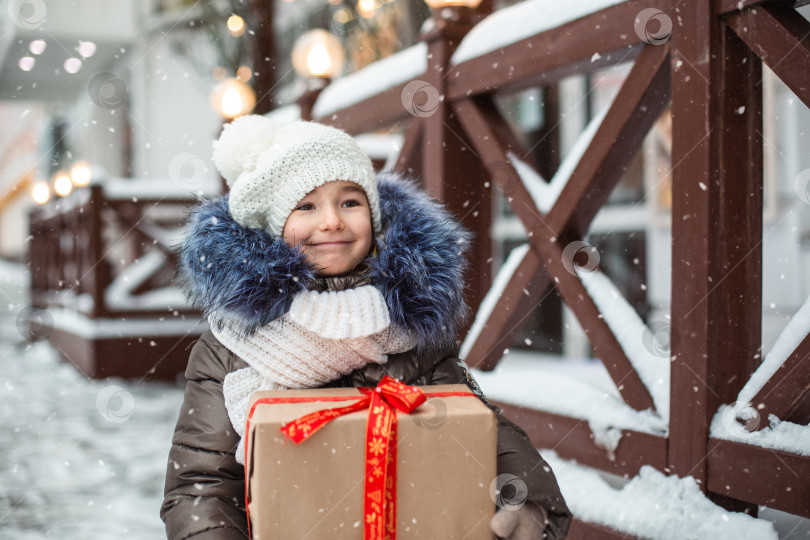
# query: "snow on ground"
x,y
82,459
14,283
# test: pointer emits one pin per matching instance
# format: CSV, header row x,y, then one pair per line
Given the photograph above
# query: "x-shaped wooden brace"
x,y
641,100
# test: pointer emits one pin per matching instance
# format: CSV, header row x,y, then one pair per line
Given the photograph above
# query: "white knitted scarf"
x,y
323,337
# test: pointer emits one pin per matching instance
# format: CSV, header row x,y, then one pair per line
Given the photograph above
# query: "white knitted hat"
x,y
269,168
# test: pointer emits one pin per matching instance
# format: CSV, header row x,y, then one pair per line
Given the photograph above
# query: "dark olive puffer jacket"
x,y
244,278
205,486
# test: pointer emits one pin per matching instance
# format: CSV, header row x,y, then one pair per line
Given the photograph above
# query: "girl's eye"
x,y
305,206
351,203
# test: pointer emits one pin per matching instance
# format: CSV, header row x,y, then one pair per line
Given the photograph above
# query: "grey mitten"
x,y
526,523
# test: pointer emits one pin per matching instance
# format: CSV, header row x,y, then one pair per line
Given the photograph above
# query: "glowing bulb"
x,y
61,184
219,73
236,25
232,98
244,73
318,61
231,102
318,53
80,174
343,15
366,8
41,192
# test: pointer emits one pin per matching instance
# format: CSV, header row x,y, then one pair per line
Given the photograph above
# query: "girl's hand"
x,y
526,523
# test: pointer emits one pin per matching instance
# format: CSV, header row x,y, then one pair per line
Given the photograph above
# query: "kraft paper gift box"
x,y
446,454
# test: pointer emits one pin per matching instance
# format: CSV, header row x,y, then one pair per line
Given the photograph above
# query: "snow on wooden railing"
x,y
374,79
521,21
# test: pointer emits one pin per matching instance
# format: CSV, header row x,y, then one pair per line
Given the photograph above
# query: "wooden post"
x,y
265,60
716,227
307,100
100,275
452,171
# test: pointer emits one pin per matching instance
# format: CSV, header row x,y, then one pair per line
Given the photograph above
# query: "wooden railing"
x,y
82,245
709,71
103,263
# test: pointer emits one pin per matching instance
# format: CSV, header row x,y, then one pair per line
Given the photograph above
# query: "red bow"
x,y
379,506
380,488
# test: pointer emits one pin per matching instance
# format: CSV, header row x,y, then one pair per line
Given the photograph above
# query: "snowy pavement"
x,y
82,459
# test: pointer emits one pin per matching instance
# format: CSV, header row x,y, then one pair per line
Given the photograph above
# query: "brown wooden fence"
x,y
103,263
709,71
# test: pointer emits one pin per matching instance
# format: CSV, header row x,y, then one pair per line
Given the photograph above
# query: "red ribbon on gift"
x,y
380,487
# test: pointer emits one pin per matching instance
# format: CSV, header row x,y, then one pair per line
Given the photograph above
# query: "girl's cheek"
x,y
290,237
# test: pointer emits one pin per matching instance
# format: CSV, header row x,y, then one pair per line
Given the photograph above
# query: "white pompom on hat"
x,y
269,168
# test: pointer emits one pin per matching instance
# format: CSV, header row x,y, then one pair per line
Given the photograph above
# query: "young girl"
x,y
316,272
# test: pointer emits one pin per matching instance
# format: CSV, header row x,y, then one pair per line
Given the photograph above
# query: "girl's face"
x,y
332,224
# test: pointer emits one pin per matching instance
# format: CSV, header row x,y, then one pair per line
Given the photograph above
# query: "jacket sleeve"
x,y
516,453
204,496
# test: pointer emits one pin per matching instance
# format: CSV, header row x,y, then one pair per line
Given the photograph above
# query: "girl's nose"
x,y
331,219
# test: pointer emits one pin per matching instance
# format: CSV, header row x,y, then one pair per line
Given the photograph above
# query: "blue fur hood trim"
x,y
245,278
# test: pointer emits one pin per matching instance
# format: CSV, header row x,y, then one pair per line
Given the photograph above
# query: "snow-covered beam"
x,y
576,46
572,438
